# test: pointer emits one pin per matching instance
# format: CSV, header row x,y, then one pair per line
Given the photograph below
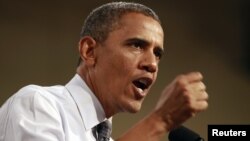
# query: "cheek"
x,y
110,72
122,65
117,67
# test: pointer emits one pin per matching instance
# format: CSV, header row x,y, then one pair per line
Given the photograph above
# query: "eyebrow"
x,y
138,40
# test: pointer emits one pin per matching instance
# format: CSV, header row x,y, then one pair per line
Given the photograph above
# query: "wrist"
x,y
165,119
162,125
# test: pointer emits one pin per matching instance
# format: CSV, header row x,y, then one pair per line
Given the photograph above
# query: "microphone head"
x,y
182,133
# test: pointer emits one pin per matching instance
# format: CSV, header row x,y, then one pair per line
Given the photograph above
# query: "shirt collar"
x,y
91,110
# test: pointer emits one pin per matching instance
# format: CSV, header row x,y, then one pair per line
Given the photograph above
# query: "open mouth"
x,y
143,83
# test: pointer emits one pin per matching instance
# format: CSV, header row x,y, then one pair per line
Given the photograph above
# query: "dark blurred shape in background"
x,y
245,34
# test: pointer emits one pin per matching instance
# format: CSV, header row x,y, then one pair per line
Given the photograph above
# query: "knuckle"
x,y
203,86
203,95
206,95
199,74
180,78
205,104
181,81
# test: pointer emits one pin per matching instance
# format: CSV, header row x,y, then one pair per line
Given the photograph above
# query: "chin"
x,y
134,108
134,111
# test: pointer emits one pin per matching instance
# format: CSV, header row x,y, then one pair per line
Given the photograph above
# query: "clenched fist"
x,y
182,99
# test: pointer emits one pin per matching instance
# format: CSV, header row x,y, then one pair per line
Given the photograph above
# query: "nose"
x,y
149,62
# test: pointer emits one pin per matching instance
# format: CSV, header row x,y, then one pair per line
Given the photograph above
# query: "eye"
x,y
137,45
158,52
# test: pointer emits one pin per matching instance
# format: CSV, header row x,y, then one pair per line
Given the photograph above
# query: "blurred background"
x,y
38,45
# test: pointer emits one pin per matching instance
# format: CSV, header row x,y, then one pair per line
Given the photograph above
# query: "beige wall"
x,y
38,45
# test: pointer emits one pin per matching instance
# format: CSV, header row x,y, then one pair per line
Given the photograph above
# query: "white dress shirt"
x,y
56,113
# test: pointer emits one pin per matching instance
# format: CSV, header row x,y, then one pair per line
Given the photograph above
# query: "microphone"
x,y
182,133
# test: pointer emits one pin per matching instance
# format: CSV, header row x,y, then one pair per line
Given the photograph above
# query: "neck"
x,y
88,77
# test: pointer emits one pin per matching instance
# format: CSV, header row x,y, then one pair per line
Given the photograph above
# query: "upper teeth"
x,y
143,81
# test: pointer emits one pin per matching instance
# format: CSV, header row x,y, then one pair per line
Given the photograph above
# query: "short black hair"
x,y
104,19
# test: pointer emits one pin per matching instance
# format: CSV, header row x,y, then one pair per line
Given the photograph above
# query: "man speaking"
x,y
120,48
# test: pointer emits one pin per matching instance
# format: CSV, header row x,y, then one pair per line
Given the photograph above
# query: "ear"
x,y
87,46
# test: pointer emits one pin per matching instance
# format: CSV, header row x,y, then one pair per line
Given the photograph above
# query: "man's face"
x,y
127,63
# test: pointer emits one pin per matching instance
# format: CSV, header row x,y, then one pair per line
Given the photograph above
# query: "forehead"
x,y
137,25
